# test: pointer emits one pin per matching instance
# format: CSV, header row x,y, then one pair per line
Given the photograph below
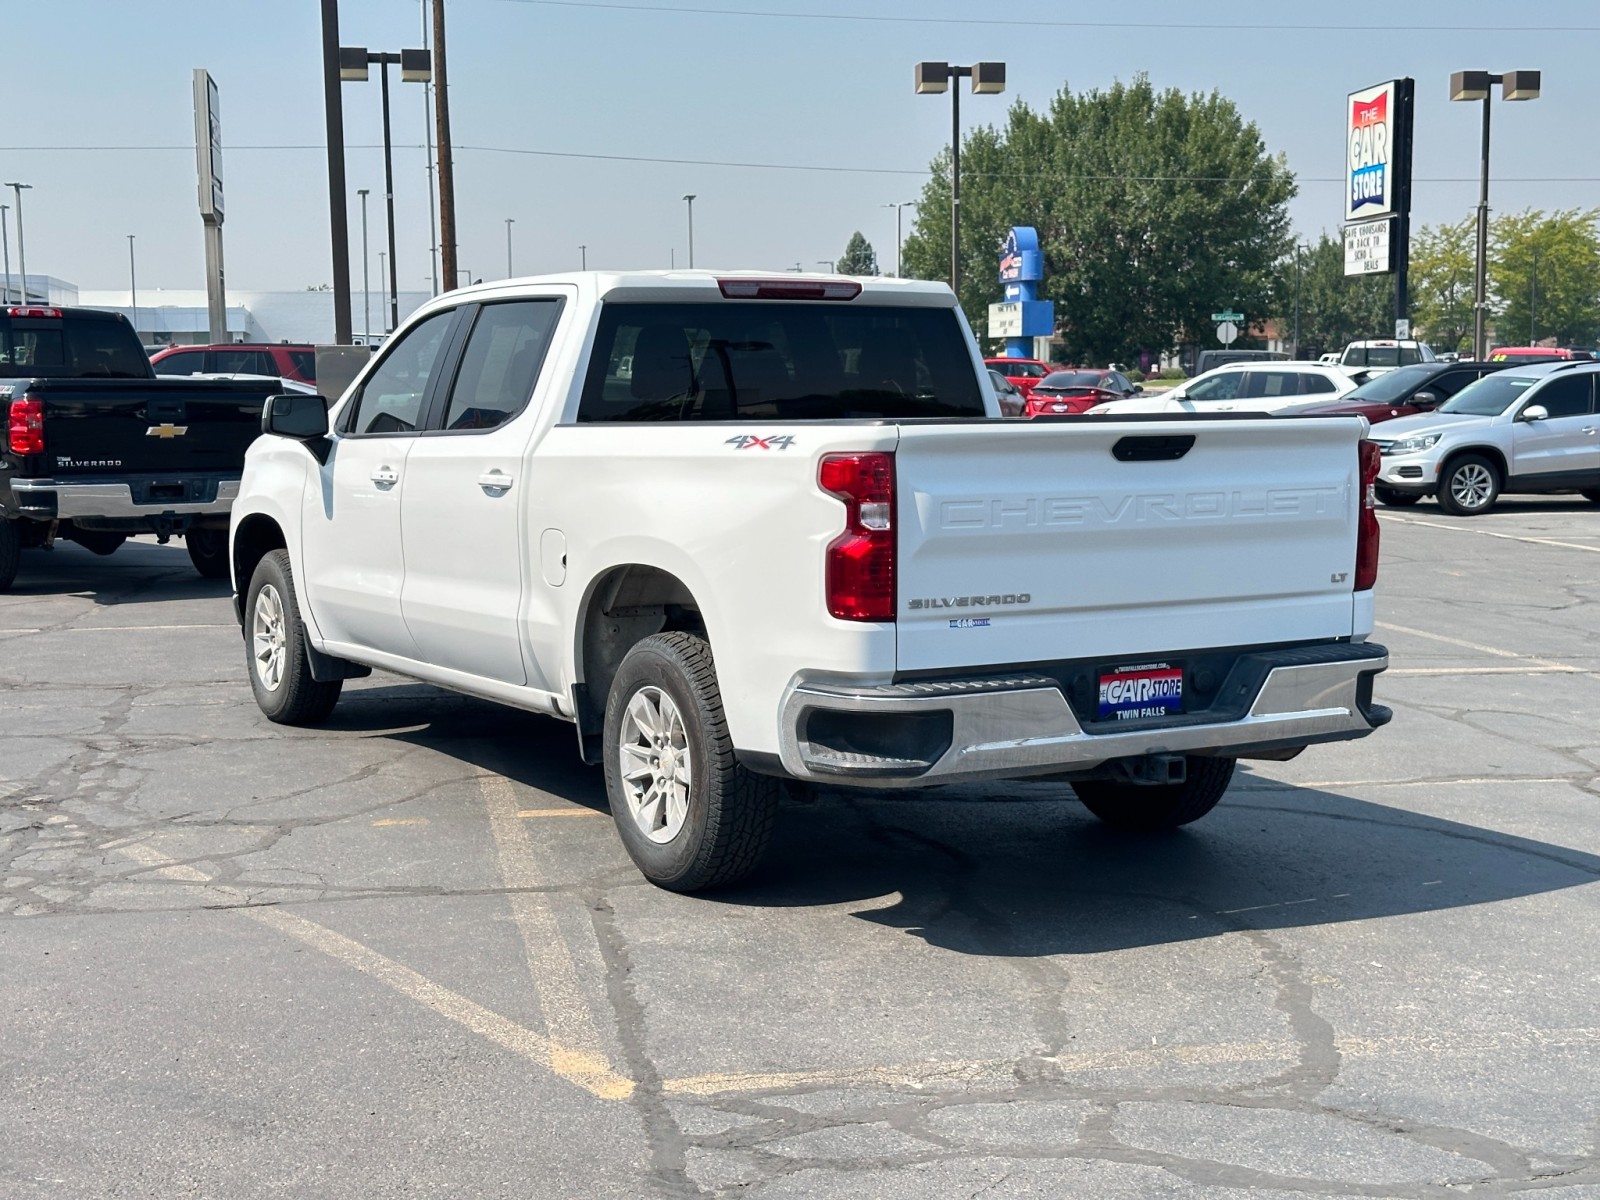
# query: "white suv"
x,y
1526,429
1242,387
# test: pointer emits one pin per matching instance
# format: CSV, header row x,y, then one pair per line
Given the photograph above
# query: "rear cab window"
x,y
777,361
70,347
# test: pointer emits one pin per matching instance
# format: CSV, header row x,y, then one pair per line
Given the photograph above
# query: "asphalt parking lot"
x,y
406,955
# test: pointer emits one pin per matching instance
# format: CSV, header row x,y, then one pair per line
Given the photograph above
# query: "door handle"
x,y
495,481
386,477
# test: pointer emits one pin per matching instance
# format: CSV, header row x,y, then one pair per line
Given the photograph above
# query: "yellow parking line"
x,y
382,821
574,1066
525,813
577,1052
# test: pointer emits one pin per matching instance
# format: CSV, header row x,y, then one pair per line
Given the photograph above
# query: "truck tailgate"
x,y
1098,537
149,425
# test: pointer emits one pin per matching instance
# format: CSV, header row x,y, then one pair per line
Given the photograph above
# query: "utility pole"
x,y
22,252
583,258
133,290
447,179
689,200
5,246
427,134
510,221
338,219
366,281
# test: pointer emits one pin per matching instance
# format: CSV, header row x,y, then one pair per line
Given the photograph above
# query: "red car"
x,y
1070,392
285,360
1535,354
1024,372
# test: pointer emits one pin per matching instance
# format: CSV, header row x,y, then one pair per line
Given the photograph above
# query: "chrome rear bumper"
x,y
1023,725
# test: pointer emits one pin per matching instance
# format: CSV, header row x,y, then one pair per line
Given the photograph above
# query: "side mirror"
x,y
1138,387
1425,400
1534,412
301,417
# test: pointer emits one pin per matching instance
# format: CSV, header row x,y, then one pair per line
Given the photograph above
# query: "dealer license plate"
x,y
1150,690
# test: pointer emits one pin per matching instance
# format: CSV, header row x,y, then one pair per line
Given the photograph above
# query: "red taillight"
x,y
27,426
1367,531
860,568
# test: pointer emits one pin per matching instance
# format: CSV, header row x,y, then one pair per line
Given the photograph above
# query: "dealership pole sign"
x,y
1377,195
1022,316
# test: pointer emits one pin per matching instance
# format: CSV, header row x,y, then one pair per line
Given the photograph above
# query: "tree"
x,y
1442,275
1153,208
859,257
1334,308
1545,272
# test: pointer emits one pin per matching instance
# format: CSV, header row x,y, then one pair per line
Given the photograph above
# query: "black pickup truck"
x,y
97,447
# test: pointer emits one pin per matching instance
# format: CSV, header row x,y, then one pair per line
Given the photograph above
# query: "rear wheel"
x,y
10,552
1149,808
275,649
208,551
1469,486
1395,499
689,815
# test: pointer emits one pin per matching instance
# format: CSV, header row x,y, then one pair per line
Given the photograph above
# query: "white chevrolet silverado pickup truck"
x,y
744,530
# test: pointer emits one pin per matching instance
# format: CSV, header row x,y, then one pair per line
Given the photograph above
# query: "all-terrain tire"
x,y
666,737
1149,808
276,649
208,551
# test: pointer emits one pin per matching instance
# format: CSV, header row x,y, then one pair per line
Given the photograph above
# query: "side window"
x,y
1410,356
500,363
1313,384
1447,385
186,363
1271,383
1218,387
390,399
305,362
1567,396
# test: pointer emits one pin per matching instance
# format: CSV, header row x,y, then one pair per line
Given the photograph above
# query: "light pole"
x,y
827,264
383,281
689,200
5,248
22,253
414,68
583,258
1474,85
510,221
133,290
898,241
468,273
366,282
988,79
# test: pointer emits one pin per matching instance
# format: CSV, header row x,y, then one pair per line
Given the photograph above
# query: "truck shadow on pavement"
x,y
1021,869
138,571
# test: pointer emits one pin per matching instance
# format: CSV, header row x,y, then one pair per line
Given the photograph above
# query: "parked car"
x,y
1210,360
1330,359
1023,372
285,360
1007,393
1385,354
1242,387
98,448
1403,392
1064,392
1537,354
756,559
1526,429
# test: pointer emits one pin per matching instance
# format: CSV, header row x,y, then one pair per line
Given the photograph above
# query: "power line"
x,y
824,167
991,22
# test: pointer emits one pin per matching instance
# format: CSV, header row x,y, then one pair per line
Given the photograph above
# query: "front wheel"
x,y
1469,486
275,649
208,551
688,814
1395,499
1149,808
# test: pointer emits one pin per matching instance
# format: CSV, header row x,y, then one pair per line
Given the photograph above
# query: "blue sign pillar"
x,y
1021,269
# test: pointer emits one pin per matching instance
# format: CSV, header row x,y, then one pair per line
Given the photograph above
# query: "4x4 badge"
x,y
166,431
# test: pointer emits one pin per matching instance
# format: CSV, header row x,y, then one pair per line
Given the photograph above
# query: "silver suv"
x,y
1524,429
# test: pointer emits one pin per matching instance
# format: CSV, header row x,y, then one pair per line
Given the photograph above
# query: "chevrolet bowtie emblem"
x,y
166,431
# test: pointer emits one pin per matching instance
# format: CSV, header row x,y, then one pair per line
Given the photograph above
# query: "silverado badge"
x,y
166,431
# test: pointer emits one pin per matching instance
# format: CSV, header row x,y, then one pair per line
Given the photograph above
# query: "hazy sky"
x,y
100,119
